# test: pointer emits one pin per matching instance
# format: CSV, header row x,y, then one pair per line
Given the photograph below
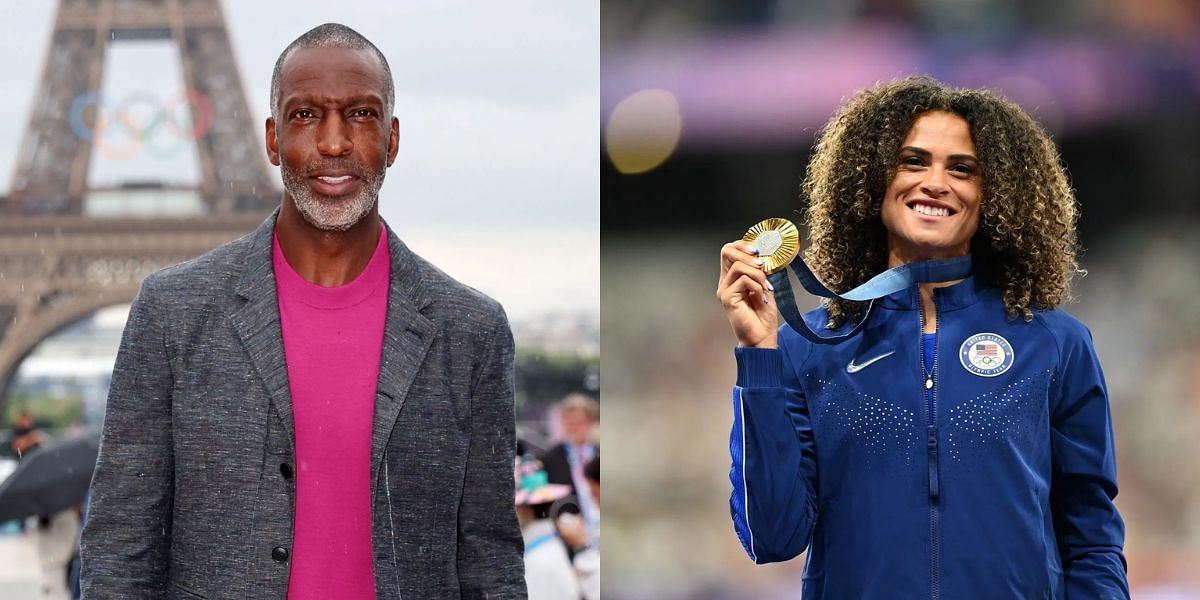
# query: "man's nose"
x,y
334,137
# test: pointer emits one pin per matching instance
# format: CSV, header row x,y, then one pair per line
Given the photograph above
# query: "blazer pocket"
x,y
277,435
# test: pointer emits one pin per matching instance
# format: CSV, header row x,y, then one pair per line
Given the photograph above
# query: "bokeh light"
x,y
643,131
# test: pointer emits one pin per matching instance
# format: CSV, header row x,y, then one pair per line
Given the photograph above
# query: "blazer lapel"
x,y
407,335
257,321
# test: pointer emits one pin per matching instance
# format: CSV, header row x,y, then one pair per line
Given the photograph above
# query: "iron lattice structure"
x,y
58,264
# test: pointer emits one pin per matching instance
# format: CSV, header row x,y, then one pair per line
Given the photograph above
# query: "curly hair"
x,y
1025,241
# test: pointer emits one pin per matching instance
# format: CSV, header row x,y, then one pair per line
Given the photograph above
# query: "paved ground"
x,y
33,564
20,570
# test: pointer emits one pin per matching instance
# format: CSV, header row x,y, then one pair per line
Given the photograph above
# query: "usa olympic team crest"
x,y
986,354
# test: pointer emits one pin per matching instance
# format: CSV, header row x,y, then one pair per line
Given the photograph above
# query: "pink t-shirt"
x,y
332,338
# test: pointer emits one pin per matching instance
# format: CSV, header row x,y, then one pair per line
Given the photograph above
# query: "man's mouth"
x,y
335,185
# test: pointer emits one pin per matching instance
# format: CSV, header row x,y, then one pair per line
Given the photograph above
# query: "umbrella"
x,y
52,478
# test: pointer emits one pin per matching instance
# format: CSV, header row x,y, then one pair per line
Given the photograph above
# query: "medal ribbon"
x,y
887,282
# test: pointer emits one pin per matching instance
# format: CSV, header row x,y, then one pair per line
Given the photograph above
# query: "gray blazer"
x,y
193,495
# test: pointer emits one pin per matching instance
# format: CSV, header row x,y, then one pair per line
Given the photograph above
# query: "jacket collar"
x,y
257,319
407,336
959,295
258,279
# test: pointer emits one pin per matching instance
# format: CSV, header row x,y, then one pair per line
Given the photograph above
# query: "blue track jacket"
x,y
1000,485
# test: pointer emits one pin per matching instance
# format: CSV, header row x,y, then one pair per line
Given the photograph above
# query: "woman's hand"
x,y
746,294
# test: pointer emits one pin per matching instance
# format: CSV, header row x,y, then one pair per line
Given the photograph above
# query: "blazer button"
x,y
286,470
280,554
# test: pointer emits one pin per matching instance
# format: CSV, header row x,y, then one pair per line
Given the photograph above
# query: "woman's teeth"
x,y
334,179
931,210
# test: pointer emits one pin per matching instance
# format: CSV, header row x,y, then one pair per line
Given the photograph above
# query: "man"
x,y
577,415
311,410
25,436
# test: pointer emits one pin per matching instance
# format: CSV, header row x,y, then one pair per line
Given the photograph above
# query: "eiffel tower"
x,y
60,260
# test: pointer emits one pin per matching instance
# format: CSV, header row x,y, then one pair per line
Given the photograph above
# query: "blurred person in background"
x,y
578,415
961,446
25,439
55,538
254,444
584,557
549,574
25,436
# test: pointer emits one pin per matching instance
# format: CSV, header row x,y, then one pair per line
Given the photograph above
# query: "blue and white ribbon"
x,y
883,284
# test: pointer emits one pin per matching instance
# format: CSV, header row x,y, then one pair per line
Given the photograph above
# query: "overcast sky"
x,y
497,101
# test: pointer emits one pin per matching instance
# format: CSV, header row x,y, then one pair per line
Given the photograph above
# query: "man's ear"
x,y
393,141
272,142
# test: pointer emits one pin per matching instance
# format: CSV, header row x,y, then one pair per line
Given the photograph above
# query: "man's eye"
x,y
363,112
302,114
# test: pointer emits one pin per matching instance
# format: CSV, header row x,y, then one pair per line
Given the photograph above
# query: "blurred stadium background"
x,y
708,112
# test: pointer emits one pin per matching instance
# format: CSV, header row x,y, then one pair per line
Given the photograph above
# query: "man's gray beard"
x,y
331,214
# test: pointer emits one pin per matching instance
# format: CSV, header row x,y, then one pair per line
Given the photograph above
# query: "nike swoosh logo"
x,y
853,368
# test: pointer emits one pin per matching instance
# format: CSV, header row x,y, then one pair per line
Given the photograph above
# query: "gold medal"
x,y
777,242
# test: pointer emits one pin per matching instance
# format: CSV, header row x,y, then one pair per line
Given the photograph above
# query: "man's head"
x,y
578,413
331,130
24,420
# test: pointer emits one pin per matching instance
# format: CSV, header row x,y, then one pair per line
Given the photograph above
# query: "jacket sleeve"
x,y
1089,530
774,470
125,545
490,548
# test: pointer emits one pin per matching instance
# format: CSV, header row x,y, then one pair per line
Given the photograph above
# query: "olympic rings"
x,y
201,108
986,361
188,116
124,153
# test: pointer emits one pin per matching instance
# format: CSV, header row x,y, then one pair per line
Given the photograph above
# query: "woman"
x,y
961,445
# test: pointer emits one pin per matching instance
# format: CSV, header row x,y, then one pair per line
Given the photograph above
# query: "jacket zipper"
x,y
930,384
